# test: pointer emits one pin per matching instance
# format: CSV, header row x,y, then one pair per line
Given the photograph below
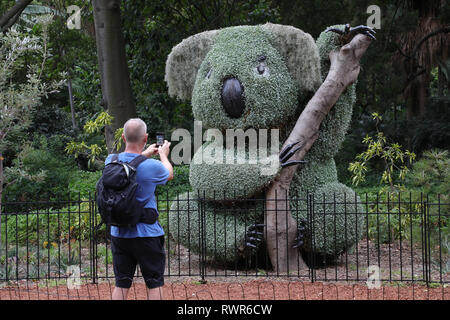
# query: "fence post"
x,y
428,241
94,238
425,244
202,259
310,223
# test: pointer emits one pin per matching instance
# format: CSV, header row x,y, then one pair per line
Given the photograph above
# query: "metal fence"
x,y
394,237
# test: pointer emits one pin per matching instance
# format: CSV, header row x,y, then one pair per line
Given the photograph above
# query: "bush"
x,y
43,226
82,183
54,182
431,174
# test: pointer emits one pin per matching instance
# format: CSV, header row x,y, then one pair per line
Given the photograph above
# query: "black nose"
x,y
233,97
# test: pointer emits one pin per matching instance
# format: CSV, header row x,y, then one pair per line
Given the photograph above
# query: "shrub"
x,y
431,174
82,183
53,183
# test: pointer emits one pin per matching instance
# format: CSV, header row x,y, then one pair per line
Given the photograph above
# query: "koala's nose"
x,y
233,98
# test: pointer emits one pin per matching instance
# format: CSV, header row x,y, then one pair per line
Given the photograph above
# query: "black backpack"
x,y
116,195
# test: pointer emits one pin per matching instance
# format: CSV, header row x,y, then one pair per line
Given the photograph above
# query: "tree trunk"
x,y
281,227
114,74
11,16
1,194
72,110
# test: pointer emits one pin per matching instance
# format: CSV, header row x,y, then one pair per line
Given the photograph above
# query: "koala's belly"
x,y
312,176
216,171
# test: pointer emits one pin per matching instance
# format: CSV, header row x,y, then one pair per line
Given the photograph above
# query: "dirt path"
x,y
267,289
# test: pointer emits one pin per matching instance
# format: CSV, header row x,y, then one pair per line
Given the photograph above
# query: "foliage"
x,y
393,156
39,172
19,98
431,174
82,184
44,226
94,151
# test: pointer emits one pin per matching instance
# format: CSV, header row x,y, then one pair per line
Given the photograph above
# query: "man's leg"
x,y
124,266
152,261
155,294
120,293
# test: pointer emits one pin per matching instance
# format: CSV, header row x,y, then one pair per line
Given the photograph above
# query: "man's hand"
x,y
150,151
164,150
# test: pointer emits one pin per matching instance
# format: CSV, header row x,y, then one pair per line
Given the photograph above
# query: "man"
x,y
144,243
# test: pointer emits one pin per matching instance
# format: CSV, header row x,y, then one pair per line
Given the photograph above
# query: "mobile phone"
x,y
159,139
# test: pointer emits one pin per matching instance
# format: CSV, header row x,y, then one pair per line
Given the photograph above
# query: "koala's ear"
x,y
300,53
184,61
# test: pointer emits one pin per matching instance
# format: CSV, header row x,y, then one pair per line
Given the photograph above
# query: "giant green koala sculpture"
x,y
271,71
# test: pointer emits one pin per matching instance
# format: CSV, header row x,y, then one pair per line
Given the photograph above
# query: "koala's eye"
x,y
261,68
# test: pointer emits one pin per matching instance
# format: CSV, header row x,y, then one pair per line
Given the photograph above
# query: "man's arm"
x,y
163,152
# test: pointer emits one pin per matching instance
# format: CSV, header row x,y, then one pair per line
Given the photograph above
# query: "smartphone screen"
x,y
159,139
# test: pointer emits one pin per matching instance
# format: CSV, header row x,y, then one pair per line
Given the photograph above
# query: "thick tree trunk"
x,y
114,74
11,16
1,194
281,227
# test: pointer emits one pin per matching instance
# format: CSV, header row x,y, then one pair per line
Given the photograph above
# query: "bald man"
x,y
144,243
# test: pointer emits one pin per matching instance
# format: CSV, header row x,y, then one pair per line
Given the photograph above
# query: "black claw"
x,y
335,30
292,163
287,149
254,226
298,244
349,32
370,35
288,152
301,234
254,233
252,236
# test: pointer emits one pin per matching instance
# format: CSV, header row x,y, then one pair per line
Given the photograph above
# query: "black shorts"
x,y
147,252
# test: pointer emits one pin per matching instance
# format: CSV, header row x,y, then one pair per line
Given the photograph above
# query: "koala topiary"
x,y
258,77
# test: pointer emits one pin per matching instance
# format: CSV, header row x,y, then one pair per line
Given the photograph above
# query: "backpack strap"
x,y
115,157
137,161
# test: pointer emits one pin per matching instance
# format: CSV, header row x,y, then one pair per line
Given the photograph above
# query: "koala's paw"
x,y
287,153
253,237
349,32
301,235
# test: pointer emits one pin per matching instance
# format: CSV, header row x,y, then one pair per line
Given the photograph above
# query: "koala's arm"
x,y
333,38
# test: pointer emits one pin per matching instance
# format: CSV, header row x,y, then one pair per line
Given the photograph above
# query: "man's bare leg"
x,y
120,293
155,294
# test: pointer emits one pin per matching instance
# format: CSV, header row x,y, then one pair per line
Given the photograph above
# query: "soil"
x,y
239,289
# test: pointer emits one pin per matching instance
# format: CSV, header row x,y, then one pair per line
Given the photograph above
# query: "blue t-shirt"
x,y
149,174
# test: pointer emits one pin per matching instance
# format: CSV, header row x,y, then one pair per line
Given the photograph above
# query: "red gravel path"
x,y
243,290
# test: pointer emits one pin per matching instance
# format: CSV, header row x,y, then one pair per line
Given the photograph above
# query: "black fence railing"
x,y
341,237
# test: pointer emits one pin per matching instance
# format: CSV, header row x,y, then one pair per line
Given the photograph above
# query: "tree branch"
x,y
11,16
431,34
